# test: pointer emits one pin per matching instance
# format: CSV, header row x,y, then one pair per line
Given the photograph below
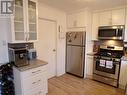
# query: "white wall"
x,y
48,12
3,40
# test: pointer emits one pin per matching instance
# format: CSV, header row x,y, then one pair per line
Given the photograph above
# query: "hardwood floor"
x,y
71,85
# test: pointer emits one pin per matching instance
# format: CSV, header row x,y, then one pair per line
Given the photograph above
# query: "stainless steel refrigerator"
x,y
75,53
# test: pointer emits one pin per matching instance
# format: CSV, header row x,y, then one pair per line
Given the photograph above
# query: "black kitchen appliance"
x,y
107,64
19,56
6,80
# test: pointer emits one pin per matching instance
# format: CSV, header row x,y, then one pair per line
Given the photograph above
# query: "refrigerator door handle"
x,y
81,54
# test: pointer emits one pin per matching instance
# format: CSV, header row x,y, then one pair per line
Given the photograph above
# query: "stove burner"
x,y
109,53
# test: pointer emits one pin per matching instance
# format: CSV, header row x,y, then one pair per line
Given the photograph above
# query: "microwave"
x,y
111,32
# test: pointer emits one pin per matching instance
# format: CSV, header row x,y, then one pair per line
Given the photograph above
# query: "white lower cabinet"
x,y
123,75
35,91
31,82
89,66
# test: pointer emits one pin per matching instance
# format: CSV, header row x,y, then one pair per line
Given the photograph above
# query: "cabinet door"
x,y
105,18
118,17
125,37
76,20
123,76
81,20
19,21
32,20
89,65
71,20
95,25
75,55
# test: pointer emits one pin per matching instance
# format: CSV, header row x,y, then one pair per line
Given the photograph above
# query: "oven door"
x,y
106,72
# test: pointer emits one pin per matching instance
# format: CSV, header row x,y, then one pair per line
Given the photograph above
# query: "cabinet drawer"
x,y
33,72
33,82
35,91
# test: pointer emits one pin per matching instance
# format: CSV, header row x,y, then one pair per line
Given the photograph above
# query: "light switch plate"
x,y
4,43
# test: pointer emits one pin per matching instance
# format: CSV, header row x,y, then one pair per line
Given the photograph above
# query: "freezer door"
x,y
75,60
75,38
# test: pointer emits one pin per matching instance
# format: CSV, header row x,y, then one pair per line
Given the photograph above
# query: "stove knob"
x,y
117,60
113,60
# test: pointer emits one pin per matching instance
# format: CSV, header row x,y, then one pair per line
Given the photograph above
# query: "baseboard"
x,y
89,76
122,86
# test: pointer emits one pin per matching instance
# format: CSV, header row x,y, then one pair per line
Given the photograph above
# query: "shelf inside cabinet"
x,y
18,21
32,10
17,6
32,31
19,31
32,23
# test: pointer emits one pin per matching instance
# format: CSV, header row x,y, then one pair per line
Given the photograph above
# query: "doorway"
x,y
46,44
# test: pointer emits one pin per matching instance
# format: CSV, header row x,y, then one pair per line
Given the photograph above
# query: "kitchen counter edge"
x,y
32,64
91,53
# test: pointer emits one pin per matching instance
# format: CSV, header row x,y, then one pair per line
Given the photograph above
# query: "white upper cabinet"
x,y
105,18
81,19
24,21
71,20
32,20
76,20
118,17
18,21
113,17
95,24
125,36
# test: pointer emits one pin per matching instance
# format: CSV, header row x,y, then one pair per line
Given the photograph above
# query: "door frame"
x,y
50,20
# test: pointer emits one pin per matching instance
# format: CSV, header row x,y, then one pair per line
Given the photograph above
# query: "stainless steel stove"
x,y
107,64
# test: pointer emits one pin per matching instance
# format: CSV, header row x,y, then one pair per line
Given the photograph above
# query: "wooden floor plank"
x,y
71,85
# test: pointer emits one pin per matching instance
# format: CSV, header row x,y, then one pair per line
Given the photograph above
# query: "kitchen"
x,y
51,16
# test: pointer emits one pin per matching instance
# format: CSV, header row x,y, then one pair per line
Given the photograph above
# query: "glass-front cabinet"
x,y
24,21
19,29
32,15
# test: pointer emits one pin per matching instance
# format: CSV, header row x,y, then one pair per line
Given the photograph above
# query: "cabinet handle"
x,y
36,72
39,80
110,21
33,82
75,23
38,93
27,36
36,82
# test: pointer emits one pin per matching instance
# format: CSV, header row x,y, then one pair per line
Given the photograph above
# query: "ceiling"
x,y
71,5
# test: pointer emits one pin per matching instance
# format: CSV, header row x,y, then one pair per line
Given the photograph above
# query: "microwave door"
x,y
107,33
111,32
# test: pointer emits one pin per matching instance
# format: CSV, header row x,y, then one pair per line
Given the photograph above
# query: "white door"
x,y
46,45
